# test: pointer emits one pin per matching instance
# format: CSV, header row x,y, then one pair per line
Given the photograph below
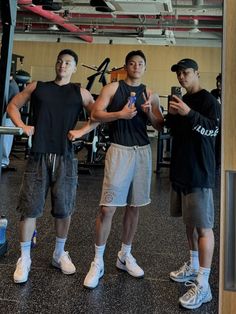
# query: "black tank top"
x,y
128,132
55,111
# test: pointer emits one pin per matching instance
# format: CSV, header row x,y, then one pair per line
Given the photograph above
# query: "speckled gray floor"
x,y
160,246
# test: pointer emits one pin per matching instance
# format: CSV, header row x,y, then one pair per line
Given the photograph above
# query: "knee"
x,y
132,211
203,232
106,212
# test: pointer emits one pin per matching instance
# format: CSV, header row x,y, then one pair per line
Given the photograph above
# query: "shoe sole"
x,y
22,280
93,287
122,267
193,307
55,264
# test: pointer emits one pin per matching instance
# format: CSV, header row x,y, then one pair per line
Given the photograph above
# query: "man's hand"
x,y
74,134
176,105
147,106
28,130
128,112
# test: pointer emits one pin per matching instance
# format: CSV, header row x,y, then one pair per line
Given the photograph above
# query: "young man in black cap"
x,y
194,124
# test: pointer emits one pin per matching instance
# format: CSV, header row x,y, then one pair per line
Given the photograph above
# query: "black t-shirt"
x,y
128,132
55,111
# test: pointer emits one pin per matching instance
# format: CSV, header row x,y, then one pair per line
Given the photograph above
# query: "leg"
x,y
103,227
192,236
125,260
62,227
206,245
61,259
189,270
103,224
130,223
27,227
200,292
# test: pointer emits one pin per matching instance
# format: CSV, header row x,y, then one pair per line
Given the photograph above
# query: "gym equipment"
x,y
11,130
3,240
97,141
163,144
14,131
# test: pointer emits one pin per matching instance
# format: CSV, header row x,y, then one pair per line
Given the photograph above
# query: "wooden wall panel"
x,y
159,60
227,300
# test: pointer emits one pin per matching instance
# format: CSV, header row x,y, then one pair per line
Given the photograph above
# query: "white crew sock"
x,y
203,277
125,249
25,249
194,260
99,252
59,248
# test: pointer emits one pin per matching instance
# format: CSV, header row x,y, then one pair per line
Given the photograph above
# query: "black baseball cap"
x,y
184,64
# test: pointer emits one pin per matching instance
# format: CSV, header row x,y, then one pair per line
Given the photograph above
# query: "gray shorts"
x,y
127,176
44,171
196,206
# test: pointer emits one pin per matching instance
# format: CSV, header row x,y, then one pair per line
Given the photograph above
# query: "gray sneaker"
x,y
185,273
195,296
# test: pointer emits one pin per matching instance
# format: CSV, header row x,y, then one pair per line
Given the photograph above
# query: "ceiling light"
x,y
53,27
194,30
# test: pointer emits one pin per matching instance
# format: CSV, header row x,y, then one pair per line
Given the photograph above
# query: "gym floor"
x,y
160,246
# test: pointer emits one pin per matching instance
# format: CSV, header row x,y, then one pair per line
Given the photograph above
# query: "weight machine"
x,y
97,141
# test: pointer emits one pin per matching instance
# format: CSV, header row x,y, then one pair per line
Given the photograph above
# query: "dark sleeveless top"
x,y
55,111
128,132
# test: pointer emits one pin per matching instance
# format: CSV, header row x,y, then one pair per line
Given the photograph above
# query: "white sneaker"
x,y
128,263
64,263
22,270
195,296
95,273
185,273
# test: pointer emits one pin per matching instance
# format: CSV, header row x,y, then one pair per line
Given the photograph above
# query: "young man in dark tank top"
x,y
127,174
56,106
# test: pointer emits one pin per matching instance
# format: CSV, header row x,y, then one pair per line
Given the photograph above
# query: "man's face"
x,y
187,77
135,67
65,66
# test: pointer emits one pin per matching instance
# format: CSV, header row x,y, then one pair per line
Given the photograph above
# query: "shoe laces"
x,y
22,264
130,259
95,268
65,256
195,288
186,267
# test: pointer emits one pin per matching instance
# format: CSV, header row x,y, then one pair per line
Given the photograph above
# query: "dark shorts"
x,y
196,206
44,171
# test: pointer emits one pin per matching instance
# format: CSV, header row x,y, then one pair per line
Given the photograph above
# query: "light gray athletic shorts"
x,y
196,206
127,176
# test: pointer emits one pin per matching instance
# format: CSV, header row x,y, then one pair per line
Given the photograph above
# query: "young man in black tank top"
x,y
127,174
56,106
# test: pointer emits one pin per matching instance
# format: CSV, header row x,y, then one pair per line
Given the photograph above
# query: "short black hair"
x,y
69,52
134,53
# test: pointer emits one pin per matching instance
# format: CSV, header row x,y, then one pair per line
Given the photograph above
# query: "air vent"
x,y
141,6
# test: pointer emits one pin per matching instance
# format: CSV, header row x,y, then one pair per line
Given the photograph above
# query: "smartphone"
x,y
176,90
